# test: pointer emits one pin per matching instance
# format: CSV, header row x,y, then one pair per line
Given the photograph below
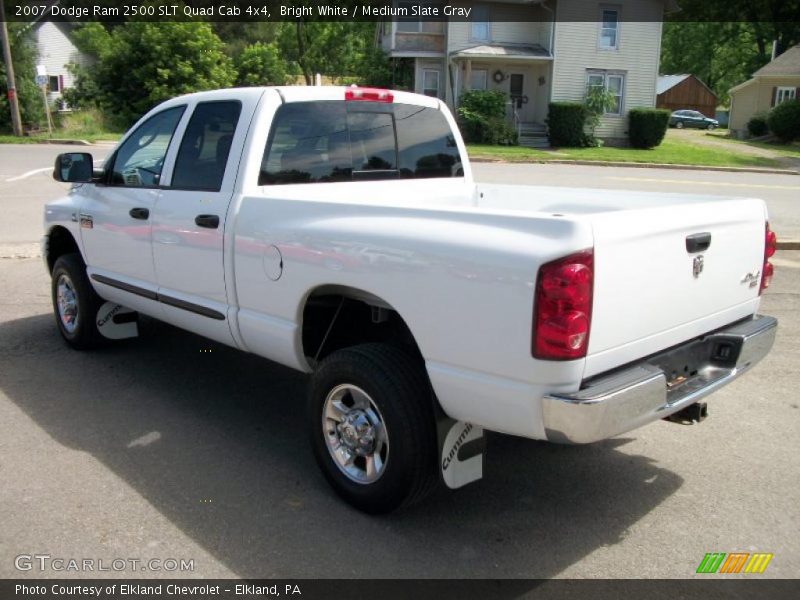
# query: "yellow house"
x,y
775,82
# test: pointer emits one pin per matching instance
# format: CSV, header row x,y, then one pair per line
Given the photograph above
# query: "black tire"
x,y
398,386
83,334
679,125
711,127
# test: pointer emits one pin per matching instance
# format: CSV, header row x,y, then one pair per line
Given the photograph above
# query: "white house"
x,y
538,51
56,51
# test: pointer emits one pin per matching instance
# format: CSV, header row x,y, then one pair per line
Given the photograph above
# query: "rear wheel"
x,y
75,303
370,416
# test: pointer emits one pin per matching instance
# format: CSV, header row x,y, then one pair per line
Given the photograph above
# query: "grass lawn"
x,y
669,152
86,125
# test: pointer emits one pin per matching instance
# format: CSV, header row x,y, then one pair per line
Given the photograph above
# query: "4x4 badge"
x,y
751,278
697,266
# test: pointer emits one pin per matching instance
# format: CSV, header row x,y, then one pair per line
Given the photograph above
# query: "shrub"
x,y
757,126
481,115
260,64
647,126
565,122
784,121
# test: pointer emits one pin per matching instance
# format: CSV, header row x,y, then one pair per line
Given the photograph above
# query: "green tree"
x,y
261,64
332,48
23,54
140,64
724,42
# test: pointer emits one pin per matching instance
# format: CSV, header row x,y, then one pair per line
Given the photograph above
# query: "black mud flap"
x,y
461,447
116,322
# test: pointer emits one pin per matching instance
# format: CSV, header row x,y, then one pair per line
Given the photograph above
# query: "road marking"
x,y
715,183
35,171
29,173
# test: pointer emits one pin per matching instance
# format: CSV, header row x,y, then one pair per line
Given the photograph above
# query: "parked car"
x,y
326,229
692,118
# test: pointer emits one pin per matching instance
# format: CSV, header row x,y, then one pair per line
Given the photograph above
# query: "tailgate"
x,y
652,293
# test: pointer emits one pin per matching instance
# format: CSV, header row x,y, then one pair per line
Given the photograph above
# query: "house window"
x,y
480,23
53,83
430,82
478,79
785,93
609,29
610,82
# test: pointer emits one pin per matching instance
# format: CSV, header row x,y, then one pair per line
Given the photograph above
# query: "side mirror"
x,y
74,167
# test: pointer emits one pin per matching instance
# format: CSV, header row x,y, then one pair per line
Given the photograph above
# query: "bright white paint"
x,y
457,260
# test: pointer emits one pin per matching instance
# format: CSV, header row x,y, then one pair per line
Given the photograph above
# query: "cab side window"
x,y
139,160
205,147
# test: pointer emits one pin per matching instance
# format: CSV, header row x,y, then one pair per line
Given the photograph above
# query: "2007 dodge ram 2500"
x,y
339,231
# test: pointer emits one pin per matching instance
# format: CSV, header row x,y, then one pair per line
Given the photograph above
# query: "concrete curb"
x,y
67,142
635,165
789,245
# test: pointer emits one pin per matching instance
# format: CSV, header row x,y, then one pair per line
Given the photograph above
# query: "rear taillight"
x,y
770,245
368,95
563,307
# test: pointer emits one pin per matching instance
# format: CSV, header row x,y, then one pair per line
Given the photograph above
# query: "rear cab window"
x,y
328,141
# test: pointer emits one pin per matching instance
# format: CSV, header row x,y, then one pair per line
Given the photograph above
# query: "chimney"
x,y
774,49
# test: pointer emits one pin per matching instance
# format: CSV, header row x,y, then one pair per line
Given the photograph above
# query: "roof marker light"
x,y
358,94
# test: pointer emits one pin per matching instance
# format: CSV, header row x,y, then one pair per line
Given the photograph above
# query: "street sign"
x,y
41,80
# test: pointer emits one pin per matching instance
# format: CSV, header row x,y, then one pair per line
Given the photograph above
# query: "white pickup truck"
x,y
339,231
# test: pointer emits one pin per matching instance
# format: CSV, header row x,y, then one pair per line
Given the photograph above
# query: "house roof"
x,y
666,82
787,63
503,51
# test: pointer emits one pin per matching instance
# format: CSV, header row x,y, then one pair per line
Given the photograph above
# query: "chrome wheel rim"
x,y
355,433
67,303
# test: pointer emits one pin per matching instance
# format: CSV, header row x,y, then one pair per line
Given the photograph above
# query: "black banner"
x,y
81,11
436,589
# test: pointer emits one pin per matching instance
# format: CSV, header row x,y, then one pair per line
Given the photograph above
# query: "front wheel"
x,y
711,127
371,421
75,303
679,125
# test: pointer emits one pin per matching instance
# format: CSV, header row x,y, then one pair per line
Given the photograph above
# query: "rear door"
x,y
188,223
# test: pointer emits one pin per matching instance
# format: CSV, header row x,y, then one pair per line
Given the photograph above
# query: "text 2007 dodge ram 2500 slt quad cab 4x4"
x,y
339,231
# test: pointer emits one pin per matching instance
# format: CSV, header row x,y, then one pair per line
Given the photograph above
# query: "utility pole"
x,y
16,120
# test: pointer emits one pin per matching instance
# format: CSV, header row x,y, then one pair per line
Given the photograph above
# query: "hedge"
x,y
647,126
565,124
481,116
757,126
784,121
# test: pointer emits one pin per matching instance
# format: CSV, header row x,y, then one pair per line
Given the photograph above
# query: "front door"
x,y
189,220
516,90
115,215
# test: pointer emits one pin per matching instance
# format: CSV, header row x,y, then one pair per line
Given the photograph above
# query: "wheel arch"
x,y
60,241
335,316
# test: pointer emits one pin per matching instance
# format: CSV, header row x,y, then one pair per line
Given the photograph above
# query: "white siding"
x,y
506,27
637,56
56,51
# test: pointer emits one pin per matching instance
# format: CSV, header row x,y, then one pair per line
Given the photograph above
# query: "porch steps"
x,y
533,135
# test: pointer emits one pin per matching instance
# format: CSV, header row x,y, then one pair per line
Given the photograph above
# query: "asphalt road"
x,y
171,446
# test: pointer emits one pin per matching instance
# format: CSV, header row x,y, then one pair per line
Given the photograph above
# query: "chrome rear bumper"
x,y
656,387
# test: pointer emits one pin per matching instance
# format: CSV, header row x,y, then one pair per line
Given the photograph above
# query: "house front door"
x,y
516,90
